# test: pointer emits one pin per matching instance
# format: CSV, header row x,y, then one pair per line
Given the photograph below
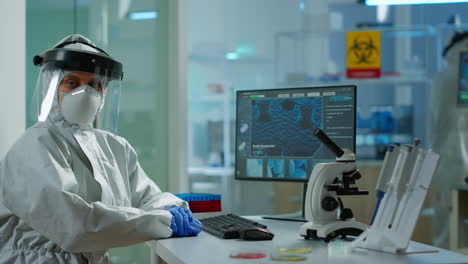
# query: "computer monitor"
x,y
463,80
274,130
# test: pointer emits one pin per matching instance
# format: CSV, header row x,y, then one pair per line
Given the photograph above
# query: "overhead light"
x,y
301,6
232,56
382,13
143,15
409,2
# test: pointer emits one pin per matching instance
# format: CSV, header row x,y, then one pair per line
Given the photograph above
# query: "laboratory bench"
x,y
206,248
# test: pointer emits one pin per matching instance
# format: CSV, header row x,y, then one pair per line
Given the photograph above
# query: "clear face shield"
x,y
79,87
81,98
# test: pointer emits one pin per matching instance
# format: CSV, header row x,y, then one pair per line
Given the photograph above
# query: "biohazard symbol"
x,y
363,50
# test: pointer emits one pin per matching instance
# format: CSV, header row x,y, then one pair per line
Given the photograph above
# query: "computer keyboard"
x,y
228,226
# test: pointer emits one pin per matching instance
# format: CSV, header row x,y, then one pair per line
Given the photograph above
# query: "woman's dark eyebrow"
x,y
71,77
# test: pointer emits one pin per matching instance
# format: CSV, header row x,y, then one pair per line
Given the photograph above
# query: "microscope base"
x,y
332,230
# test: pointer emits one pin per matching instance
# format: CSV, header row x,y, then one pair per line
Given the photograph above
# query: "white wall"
x,y
177,97
12,72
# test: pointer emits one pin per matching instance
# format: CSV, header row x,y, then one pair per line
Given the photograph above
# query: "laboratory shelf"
x,y
368,82
215,98
211,171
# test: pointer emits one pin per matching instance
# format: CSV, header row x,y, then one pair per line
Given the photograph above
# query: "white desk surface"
x,y
206,248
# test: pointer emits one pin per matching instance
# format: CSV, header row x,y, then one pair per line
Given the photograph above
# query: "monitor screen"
x,y
463,80
274,130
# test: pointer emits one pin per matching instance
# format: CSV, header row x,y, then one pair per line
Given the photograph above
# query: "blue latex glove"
x,y
183,223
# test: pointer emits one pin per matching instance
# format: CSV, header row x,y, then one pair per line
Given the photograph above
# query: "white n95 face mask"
x,y
80,106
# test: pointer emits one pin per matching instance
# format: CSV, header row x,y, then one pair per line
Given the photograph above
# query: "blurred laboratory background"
x,y
184,60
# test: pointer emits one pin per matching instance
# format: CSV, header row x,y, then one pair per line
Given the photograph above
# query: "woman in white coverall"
x,y
449,137
69,192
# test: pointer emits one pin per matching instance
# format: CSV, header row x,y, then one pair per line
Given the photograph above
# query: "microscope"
x,y
323,209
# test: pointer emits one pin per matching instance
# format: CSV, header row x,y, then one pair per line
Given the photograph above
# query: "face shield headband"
x,y
80,60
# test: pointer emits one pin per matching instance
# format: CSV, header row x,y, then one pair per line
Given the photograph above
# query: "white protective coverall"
x,y
70,193
450,139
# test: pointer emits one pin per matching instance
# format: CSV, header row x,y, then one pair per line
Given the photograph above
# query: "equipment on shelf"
x,y
327,182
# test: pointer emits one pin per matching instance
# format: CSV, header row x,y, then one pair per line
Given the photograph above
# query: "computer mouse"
x,y
256,234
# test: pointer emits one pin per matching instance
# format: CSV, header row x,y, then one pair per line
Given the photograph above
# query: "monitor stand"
x,y
296,217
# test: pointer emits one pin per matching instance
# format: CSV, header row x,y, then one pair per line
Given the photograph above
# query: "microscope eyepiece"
x,y
318,133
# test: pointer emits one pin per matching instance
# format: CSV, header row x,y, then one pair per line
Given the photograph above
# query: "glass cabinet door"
x,y
231,48
135,32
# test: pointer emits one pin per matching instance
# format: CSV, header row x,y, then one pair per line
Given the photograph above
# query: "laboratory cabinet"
x,y
391,107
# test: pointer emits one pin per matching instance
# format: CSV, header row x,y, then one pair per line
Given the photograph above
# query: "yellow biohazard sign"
x,y
363,54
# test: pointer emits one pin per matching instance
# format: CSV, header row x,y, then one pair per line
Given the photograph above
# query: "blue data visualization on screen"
x,y
274,130
463,80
